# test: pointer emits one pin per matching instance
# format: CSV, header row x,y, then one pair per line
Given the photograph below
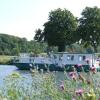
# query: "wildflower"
x,y
74,78
79,92
93,69
73,75
62,86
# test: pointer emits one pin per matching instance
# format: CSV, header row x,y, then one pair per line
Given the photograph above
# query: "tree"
x,y
89,27
38,35
59,29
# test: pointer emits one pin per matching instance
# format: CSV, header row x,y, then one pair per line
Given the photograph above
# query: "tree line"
x,y
11,45
64,29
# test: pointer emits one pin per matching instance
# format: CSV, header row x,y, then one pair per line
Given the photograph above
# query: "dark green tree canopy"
x,y
60,28
38,35
11,45
89,27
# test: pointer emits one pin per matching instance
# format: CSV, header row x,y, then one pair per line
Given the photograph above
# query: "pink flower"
x,y
93,69
79,92
62,86
73,76
72,73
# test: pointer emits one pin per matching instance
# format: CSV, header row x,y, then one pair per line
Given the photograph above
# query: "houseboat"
x,y
59,61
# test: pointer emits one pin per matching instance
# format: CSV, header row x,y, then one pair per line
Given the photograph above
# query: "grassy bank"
x,y
5,59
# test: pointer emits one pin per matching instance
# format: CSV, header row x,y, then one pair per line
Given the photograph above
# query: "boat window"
x,y
72,57
84,57
68,57
80,58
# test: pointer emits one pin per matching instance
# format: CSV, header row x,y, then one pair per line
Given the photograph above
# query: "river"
x,y
6,70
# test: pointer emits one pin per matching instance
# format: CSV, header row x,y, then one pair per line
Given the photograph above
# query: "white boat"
x,y
56,61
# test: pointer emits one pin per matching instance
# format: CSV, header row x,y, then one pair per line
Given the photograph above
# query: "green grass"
x,y
5,59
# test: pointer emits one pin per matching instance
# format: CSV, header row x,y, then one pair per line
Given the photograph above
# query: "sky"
x,y
22,17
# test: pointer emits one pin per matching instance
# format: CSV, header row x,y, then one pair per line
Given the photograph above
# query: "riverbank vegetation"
x,y
11,45
46,86
4,59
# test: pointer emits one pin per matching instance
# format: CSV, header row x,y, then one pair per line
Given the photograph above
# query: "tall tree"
x,y
38,35
89,27
59,29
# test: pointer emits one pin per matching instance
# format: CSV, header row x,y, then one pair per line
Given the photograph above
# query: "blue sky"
x,y
22,17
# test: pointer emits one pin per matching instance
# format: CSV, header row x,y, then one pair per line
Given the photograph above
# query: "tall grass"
x,y
5,59
45,86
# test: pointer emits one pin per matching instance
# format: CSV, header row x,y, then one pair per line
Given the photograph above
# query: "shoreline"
x,y
5,59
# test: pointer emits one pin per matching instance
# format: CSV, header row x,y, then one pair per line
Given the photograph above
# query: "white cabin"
x,y
63,58
60,58
25,58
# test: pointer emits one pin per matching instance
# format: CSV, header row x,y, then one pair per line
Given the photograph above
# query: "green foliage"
x,y
5,59
89,27
59,29
11,45
38,35
62,29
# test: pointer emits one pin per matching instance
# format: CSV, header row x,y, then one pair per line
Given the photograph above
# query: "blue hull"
x,y
51,67
24,66
67,68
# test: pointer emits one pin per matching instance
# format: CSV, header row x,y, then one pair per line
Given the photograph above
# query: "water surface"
x,y
6,70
